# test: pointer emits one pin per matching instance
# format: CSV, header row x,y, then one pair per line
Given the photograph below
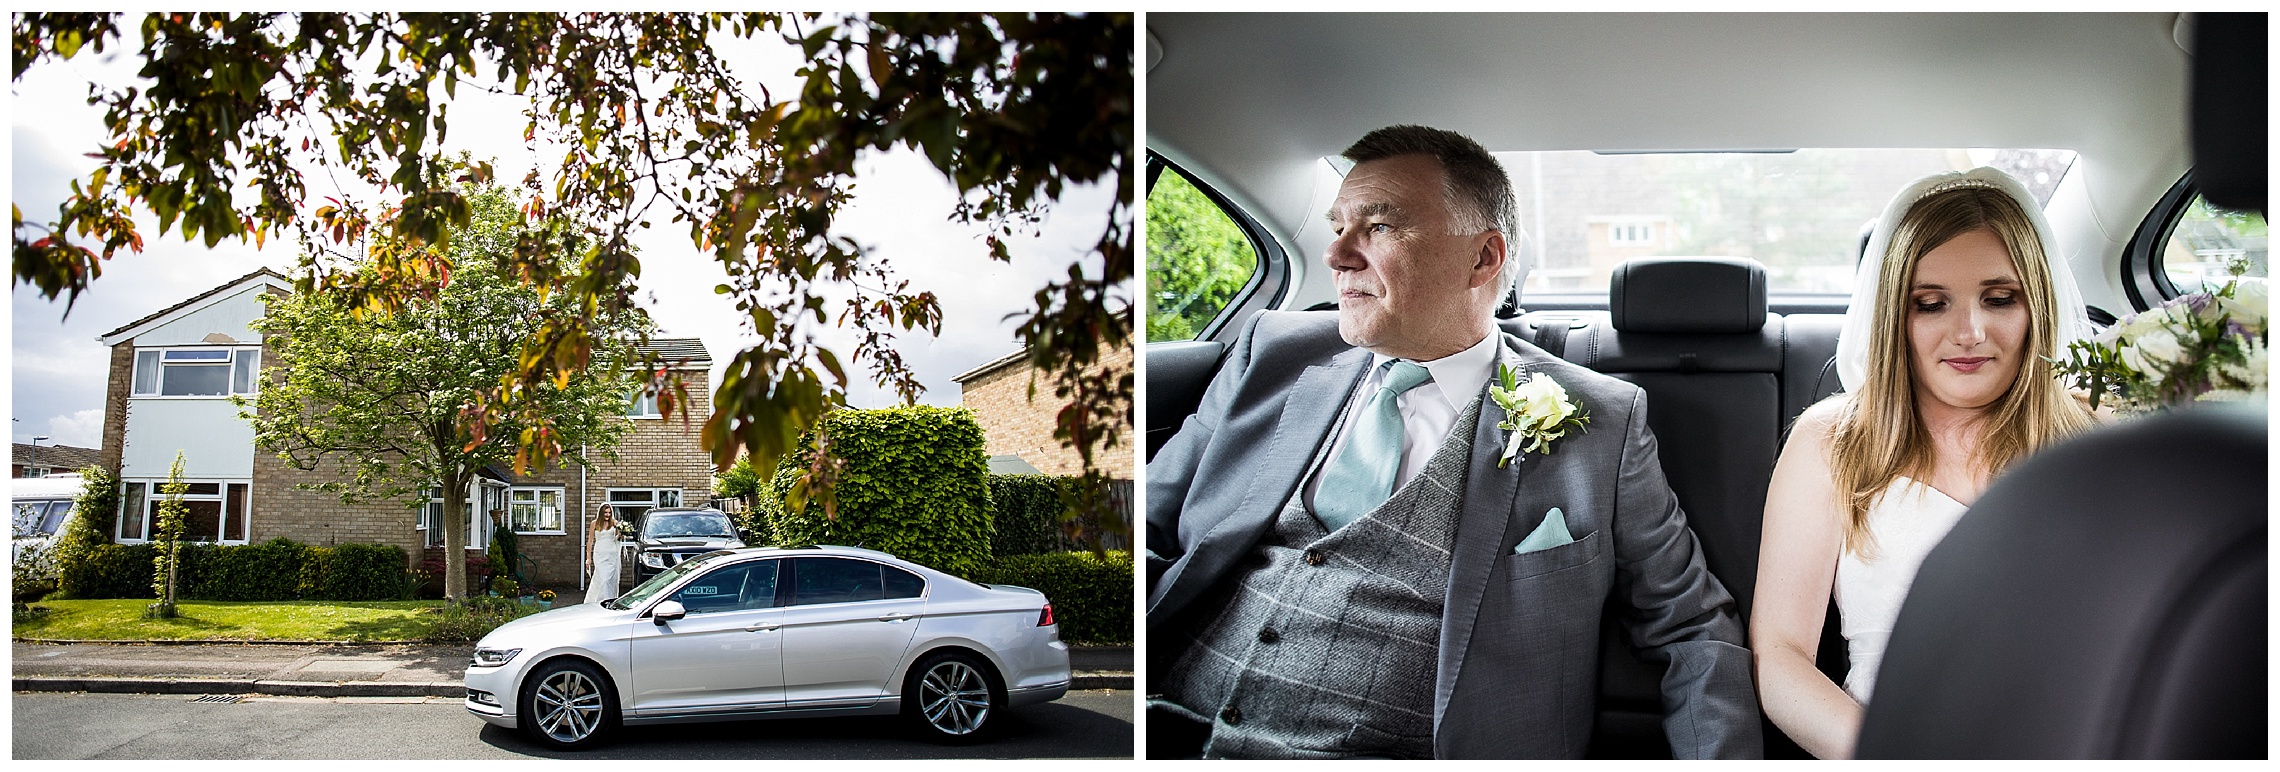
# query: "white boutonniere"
x,y
1537,412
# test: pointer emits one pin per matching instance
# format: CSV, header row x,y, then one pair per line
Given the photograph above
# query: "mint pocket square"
x,y
1552,533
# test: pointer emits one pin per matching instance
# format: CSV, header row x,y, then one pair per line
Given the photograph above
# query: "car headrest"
x,y
1688,294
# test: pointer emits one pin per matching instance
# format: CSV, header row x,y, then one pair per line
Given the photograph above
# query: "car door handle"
x,y
762,627
896,617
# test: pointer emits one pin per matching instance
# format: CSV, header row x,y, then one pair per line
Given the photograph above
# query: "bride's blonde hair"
x,y
1879,435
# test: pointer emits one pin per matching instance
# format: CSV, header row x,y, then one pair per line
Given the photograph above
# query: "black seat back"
x,y
1694,334
2104,599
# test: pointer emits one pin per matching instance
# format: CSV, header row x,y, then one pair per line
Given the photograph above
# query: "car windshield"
x,y
659,582
660,525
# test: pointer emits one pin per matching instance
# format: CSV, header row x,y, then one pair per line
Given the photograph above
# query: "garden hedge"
x,y
1092,597
275,570
1027,512
915,485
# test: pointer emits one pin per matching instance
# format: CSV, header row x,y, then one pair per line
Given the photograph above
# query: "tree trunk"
x,y
455,535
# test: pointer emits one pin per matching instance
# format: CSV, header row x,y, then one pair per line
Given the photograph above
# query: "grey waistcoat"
x,y
1327,644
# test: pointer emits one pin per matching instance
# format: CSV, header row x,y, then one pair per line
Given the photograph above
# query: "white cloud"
x,y
83,429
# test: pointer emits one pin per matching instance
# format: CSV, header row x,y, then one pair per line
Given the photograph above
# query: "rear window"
x,y
1802,213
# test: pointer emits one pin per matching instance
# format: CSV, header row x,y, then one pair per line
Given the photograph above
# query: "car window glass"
x,y
760,585
55,514
1198,259
835,580
662,525
721,590
902,584
2210,246
1798,212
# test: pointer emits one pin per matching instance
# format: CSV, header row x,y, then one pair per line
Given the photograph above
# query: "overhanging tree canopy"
x,y
1012,108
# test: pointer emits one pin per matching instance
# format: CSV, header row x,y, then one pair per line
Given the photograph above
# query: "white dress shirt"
x,y
1427,412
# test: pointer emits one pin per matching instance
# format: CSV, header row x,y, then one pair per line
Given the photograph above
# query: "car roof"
x,y
1250,103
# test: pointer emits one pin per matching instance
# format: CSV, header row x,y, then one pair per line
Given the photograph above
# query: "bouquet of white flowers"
x,y
2202,346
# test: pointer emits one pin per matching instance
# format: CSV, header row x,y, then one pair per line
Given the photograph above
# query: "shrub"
x,y
278,569
360,572
109,571
915,484
271,570
1026,513
1092,597
471,620
33,569
93,513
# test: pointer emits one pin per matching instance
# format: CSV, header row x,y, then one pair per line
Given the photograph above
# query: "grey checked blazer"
x,y
1518,675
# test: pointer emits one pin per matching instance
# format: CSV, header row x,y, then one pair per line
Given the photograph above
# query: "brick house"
x,y
170,378
44,460
1018,430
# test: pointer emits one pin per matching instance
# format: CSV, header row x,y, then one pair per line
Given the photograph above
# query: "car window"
x,y
55,513
659,525
835,580
2210,246
1799,212
1198,258
740,587
658,583
902,584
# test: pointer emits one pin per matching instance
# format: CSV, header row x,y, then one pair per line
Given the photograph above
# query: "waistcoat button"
x,y
1231,715
1268,635
1316,558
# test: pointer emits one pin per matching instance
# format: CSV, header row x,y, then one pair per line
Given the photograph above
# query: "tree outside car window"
x,y
1197,259
2210,246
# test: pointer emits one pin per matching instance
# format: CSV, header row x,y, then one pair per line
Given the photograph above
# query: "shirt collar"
x,y
1458,375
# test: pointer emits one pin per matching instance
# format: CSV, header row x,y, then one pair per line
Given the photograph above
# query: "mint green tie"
x,y
1361,477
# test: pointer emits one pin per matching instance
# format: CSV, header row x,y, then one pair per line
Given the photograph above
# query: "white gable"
x,y
230,316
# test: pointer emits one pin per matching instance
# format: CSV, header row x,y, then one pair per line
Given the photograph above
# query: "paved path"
x,y
406,670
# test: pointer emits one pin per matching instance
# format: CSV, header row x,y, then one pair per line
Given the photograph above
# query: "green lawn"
x,y
398,620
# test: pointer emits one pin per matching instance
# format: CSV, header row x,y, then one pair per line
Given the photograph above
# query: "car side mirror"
x,y
667,612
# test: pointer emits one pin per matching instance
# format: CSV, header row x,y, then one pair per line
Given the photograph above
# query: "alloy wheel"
x,y
954,698
569,706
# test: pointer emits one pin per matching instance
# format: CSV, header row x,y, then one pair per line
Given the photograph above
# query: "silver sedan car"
x,y
774,633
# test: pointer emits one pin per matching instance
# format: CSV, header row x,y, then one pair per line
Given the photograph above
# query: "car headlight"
x,y
494,657
653,559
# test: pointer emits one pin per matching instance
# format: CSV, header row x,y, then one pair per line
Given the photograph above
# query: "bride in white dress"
x,y
602,576
1942,359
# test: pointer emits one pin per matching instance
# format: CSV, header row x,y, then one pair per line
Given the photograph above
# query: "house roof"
x,y
56,456
203,299
690,350
1011,464
1123,314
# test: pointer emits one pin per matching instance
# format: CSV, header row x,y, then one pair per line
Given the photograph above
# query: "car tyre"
x,y
952,697
568,704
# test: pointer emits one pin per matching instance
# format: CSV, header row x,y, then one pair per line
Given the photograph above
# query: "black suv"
x,y
673,534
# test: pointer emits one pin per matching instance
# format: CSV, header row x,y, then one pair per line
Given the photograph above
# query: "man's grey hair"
x,y
1479,192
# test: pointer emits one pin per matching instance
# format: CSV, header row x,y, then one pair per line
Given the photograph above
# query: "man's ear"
x,y
1489,261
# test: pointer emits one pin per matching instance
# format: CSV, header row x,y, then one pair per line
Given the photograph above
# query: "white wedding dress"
x,y
603,585
1907,522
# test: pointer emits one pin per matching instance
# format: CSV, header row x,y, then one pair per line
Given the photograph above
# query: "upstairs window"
x,y
195,372
642,404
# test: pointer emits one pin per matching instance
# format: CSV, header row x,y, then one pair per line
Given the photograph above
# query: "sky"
x,y
900,212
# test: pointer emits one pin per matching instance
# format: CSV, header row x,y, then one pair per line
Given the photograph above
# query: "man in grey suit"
x,y
1342,562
